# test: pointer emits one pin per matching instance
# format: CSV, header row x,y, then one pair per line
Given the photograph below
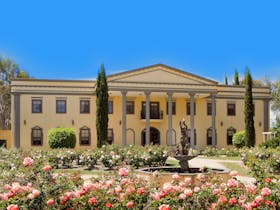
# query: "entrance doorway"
x,y
154,136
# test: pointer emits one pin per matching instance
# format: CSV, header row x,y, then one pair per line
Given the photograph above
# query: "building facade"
x,y
145,106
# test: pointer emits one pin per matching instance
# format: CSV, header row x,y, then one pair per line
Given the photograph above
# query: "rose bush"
x,y
36,185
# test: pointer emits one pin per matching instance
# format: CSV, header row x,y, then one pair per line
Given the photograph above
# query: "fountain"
x,y
183,156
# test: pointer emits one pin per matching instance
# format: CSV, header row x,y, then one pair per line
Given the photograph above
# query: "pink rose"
x,y
213,206
50,202
251,189
258,200
130,189
28,161
175,176
47,168
232,183
12,207
222,200
232,201
196,189
233,173
164,207
265,191
182,196
108,205
129,204
188,180
123,171
141,190
267,180
92,200
188,192
268,202
36,193
216,191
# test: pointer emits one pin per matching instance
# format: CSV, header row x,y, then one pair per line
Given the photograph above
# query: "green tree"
x,y
275,92
236,78
248,111
8,71
101,107
226,80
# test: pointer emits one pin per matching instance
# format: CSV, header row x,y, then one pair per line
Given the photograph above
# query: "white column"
x,y
123,117
192,119
265,115
213,107
169,140
16,123
147,93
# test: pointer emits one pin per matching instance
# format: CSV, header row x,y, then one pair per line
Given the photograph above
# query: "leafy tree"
x,y
226,80
8,71
248,111
101,107
22,74
275,92
236,78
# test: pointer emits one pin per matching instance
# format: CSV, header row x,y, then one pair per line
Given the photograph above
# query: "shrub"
x,y
61,138
238,139
262,162
272,143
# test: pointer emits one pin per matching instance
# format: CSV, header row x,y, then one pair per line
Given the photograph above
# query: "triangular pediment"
x,y
159,74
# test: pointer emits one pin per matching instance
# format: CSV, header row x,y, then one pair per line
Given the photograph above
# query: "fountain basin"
x,y
165,174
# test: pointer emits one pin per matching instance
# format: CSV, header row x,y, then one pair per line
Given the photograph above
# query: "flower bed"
x,y
28,182
262,162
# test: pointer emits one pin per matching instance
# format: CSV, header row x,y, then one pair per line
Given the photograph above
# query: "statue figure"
x,y
184,137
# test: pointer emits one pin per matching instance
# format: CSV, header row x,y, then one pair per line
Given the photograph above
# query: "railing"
x,y
153,115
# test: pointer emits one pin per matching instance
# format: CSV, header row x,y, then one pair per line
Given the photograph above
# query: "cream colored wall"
x,y
50,119
202,120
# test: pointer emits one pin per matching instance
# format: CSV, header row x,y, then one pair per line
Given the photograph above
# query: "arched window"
x,y
230,132
209,136
36,136
110,136
84,136
189,135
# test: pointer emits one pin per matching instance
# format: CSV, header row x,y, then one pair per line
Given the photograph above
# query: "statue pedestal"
x,y
184,161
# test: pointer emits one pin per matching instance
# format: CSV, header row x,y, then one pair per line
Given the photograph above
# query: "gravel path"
x,y
217,163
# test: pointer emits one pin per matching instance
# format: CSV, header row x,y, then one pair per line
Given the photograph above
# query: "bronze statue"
x,y
184,137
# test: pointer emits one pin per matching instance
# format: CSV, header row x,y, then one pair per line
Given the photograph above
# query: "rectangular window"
x,y
60,106
36,136
84,106
209,108
189,108
154,110
173,108
84,136
231,109
130,107
36,105
110,107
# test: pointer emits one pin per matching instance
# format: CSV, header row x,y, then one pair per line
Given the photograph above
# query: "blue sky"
x,y
70,39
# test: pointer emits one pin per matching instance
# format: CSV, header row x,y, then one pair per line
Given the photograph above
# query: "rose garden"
x,y
55,179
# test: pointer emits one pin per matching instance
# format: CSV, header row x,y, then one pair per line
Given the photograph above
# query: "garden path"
x,y
217,163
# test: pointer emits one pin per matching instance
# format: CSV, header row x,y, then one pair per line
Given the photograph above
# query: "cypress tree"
x,y
101,107
248,111
226,80
236,78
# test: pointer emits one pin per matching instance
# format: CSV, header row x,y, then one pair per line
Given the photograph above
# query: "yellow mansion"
x,y
145,106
